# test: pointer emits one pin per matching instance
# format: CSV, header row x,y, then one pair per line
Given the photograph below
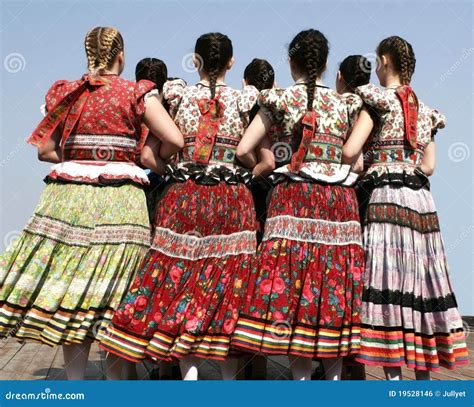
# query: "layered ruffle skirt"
x,y
187,294
409,311
304,296
68,270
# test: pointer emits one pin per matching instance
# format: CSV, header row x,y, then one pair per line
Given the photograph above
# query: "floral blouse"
x,y
107,136
386,151
183,102
335,115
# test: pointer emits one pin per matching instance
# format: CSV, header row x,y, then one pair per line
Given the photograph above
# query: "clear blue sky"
x,y
48,36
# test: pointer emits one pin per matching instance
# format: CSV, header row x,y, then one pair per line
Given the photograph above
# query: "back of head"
x,y
260,74
309,52
355,71
213,52
402,56
102,45
152,69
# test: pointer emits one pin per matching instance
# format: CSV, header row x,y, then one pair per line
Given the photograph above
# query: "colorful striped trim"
x,y
313,230
76,235
398,347
53,328
163,346
280,338
194,247
402,216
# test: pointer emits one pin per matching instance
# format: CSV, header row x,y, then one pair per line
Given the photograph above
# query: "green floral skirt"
x,y
62,278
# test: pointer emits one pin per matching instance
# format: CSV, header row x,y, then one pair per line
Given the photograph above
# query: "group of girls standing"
x,y
316,285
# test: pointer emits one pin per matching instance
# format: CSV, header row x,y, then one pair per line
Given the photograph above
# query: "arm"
x,y
159,122
253,136
358,165
50,151
359,135
428,162
266,159
150,155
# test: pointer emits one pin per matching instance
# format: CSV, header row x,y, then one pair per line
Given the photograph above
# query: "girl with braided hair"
x,y
409,311
185,301
303,298
63,277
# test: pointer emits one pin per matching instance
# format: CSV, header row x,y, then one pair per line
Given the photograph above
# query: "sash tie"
x,y
212,111
409,103
309,128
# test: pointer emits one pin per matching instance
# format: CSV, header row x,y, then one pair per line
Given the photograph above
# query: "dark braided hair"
x,y
402,56
309,52
152,69
213,51
355,71
260,74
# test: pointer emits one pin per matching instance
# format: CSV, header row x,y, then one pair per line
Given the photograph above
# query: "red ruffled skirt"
x,y
186,298
304,298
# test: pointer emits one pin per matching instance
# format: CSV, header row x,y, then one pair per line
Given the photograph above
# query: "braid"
x,y
152,69
260,74
309,51
402,56
214,50
102,45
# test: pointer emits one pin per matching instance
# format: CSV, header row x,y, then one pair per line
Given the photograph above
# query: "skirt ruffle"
x,y
409,310
64,275
186,297
304,297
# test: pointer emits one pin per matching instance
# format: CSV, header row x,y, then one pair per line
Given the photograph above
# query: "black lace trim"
x,y
203,175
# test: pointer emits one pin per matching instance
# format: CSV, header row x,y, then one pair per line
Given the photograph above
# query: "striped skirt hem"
x,y
279,338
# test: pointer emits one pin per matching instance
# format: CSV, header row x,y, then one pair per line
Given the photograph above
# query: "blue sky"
x,y
42,41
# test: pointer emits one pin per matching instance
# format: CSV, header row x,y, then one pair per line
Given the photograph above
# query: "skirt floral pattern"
x,y
304,297
188,292
62,278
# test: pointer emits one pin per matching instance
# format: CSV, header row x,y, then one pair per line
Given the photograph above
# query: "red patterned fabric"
x,y
409,103
304,298
99,119
67,110
212,112
309,128
188,292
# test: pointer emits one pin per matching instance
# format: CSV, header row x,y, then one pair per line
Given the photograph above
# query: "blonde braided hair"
x,y
102,45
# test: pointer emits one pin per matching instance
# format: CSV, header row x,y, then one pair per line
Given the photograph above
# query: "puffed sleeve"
x,y
142,88
248,98
373,97
353,105
438,121
56,93
272,104
173,92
